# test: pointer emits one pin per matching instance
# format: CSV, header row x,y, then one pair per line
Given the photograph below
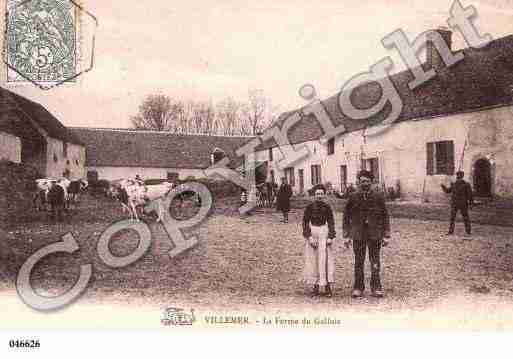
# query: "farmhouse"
x,y
460,119
124,153
31,135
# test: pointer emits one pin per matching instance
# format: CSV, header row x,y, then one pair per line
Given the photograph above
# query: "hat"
x,y
365,173
460,174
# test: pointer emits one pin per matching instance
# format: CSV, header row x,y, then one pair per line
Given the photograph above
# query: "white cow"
x,y
133,196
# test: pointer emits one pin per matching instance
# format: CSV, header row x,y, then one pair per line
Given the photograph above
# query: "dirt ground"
x,y
255,263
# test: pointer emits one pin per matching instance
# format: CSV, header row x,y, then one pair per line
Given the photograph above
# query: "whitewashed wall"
x,y
10,147
113,173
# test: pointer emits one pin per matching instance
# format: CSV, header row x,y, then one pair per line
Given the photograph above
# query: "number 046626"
x,y
24,343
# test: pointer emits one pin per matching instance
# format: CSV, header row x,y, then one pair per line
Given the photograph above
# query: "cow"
x,y
134,195
43,187
75,188
57,199
40,199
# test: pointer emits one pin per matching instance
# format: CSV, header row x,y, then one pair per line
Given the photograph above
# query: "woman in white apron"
x,y
319,232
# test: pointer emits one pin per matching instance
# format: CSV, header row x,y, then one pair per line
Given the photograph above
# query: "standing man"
x,y
366,222
283,199
461,200
319,232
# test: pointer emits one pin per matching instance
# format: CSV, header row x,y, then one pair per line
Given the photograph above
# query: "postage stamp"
x,y
42,41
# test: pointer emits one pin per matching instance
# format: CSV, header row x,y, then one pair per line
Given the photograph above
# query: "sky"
x,y
212,49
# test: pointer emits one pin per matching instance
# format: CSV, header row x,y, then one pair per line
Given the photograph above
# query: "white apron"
x,y
319,262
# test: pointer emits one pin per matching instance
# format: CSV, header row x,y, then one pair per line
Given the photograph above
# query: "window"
x,y
372,165
331,146
316,174
55,158
440,158
301,174
272,176
289,174
64,149
270,154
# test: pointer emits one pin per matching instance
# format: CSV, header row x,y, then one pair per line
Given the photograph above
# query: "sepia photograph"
x,y
276,165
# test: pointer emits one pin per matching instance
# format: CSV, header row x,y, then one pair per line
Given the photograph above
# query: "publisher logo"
x,y
177,316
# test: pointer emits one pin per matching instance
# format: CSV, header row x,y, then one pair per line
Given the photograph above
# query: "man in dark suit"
x,y
461,200
366,222
283,199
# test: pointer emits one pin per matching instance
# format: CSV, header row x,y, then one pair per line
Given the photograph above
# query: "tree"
x,y
258,113
229,115
204,118
155,113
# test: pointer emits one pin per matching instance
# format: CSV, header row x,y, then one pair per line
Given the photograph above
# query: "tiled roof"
x,y
15,111
483,79
131,148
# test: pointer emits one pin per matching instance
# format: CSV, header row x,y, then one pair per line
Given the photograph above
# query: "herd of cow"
x,y
57,195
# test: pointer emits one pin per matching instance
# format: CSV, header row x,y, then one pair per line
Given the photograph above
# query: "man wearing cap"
x,y
283,199
366,222
319,233
461,200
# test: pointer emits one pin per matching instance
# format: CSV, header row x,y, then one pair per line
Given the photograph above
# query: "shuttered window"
x,y
331,146
316,174
289,173
440,158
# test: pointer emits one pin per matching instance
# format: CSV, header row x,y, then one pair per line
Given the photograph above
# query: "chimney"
x,y
433,58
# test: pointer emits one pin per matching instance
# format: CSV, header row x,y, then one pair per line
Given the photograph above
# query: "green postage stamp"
x,y
42,41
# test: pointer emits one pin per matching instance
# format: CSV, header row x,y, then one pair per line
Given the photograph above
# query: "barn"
x,y
31,135
459,120
124,153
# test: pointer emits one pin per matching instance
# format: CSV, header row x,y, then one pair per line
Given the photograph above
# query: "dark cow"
x,y
75,188
57,200
40,202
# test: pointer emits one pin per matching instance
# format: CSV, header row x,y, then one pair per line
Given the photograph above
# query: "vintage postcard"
x,y
339,165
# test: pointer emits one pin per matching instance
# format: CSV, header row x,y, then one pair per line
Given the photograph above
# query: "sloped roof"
x,y
15,109
484,78
131,148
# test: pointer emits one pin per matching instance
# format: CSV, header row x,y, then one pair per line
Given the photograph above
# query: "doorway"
x,y
482,178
